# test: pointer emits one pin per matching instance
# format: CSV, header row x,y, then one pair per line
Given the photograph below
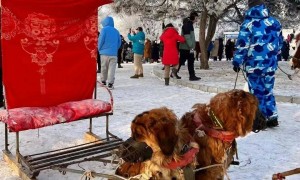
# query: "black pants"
x,y
186,55
119,57
208,55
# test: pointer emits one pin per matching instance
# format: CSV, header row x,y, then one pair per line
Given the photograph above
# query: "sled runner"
x,y
49,53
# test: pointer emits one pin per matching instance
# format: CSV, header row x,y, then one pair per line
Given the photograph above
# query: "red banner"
x,y
49,50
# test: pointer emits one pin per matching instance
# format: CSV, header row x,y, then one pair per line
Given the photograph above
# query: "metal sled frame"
x,y
29,166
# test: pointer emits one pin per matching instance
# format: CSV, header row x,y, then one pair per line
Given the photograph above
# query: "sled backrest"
x,y
49,51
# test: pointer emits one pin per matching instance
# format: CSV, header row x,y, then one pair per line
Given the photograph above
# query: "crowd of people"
x,y
215,49
141,50
245,52
287,45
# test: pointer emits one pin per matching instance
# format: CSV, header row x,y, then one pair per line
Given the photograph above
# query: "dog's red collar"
x,y
186,159
225,136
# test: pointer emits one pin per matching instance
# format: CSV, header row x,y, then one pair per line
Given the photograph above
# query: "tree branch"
x,y
239,14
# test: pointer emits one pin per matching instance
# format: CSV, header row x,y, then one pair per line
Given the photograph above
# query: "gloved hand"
x,y
236,68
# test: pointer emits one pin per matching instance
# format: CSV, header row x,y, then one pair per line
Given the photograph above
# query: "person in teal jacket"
x,y
138,43
108,44
257,50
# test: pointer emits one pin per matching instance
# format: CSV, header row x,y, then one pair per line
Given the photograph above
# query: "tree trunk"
x,y
203,46
205,38
212,25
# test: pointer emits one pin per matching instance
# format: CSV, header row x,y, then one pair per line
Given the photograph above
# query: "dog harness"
x,y
187,158
217,131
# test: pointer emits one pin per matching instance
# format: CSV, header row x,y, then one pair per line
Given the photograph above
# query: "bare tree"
x,y
211,13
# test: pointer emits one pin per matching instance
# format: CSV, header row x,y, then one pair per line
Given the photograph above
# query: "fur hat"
x,y
252,3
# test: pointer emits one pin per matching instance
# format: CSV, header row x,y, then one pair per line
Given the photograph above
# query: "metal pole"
x,y
17,142
91,125
107,132
6,137
17,147
95,97
95,93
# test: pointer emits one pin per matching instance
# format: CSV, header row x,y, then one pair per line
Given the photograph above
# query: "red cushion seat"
x,y
24,118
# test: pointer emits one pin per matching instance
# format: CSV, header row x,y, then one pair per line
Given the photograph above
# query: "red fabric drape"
x,y
49,50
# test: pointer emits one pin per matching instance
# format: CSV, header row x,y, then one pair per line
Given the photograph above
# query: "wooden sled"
x,y
49,53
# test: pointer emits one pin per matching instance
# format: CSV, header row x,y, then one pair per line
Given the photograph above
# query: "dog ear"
x,y
247,107
166,136
161,124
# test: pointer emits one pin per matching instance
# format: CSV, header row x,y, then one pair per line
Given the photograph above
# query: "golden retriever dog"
x,y
228,115
159,129
210,130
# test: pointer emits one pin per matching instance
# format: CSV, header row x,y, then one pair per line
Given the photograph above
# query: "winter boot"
x,y
194,78
273,122
167,80
110,86
174,74
135,76
260,122
141,75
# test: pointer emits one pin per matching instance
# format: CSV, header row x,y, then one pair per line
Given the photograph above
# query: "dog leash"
x,y
243,70
237,75
288,75
207,167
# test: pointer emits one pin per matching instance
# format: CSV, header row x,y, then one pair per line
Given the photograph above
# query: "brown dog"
x,y
296,59
172,146
228,116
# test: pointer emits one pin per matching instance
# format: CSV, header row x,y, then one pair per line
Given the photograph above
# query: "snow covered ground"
x,y
260,155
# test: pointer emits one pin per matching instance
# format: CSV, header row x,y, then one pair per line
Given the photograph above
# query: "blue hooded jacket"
x,y
138,42
109,40
259,41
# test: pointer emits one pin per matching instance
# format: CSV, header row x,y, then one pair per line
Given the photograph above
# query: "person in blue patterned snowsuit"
x,y
257,50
